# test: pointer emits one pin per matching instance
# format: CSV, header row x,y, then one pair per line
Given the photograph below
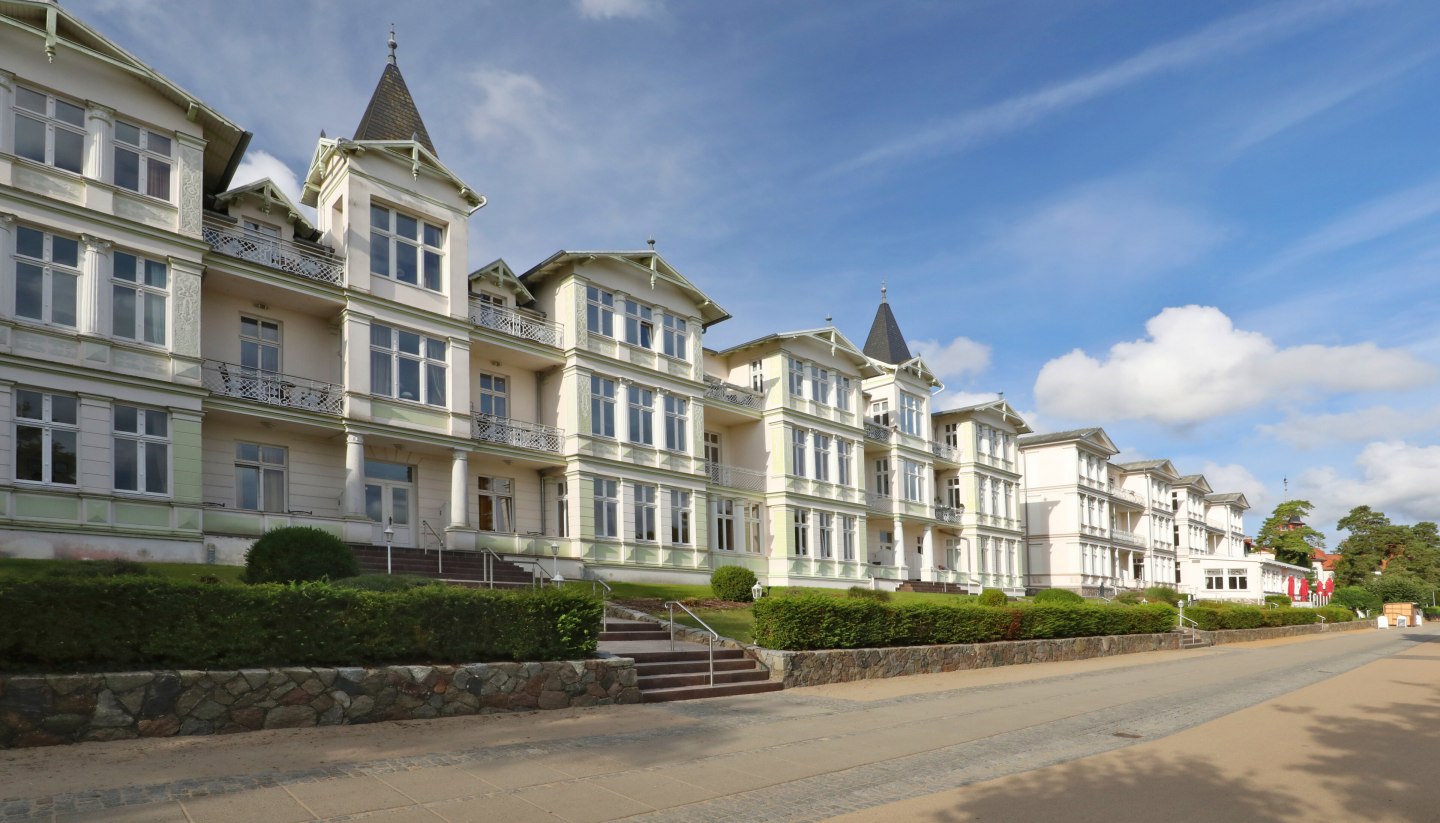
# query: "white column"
x,y
99,120
7,124
7,251
927,554
353,502
94,271
901,551
460,489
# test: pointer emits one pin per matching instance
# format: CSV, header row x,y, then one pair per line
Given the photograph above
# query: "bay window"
x,y
406,248
46,437
607,507
914,480
47,276
800,522
819,384
407,366
137,299
797,452
797,378
639,324
910,415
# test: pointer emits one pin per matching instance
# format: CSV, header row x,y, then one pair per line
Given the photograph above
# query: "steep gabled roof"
x,y
1160,466
269,196
392,114
885,342
1228,498
1194,480
829,336
1094,436
998,405
648,262
499,273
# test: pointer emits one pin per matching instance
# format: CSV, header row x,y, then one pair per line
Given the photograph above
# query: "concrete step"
x,y
932,588
692,666
632,635
701,678
718,690
678,656
631,626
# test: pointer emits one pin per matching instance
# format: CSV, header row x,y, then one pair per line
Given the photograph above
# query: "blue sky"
x,y
1212,228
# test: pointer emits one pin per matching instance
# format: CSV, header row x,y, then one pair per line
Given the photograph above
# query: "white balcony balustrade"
x,y
944,451
734,477
511,322
273,388
1122,536
314,263
733,394
878,433
489,428
948,514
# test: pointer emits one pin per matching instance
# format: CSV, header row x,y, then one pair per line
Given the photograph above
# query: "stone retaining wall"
x,y
43,710
1247,635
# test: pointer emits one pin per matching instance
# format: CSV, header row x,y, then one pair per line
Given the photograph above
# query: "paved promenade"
x,y
1336,726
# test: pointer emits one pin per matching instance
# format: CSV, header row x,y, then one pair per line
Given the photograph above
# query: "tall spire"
x,y
392,114
885,342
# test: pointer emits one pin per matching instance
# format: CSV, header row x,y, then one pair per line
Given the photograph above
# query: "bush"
x,y
385,582
1057,596
1432,612
993,597
862,593
100,568
1399,588
1130,598
1335,614
1281,600
816,621
733,583
299,554
142,622
1235,616
1162,594
1357,597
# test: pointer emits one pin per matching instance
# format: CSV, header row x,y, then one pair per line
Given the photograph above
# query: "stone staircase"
x,y
682,674
1192,639
464,567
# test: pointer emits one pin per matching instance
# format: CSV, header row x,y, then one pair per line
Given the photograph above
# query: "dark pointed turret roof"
x,y
391,114
885,342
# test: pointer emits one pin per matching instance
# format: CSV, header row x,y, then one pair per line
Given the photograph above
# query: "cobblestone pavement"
x,y
802,754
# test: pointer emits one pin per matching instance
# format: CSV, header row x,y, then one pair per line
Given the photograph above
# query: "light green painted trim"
x,y
142,514
188,519
386,412
103,376
233,523
187,453
97,512
99,218
48,506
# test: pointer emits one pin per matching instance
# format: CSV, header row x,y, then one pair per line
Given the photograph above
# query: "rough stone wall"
x,y
1247,635
43,710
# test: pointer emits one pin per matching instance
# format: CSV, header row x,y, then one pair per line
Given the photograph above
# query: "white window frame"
x,y
757,375
800,522
52,123
799,440
49,271
675,337
821,443
49,428
847,537
607,507
677,412
880,412
639,324
493,393
914,480
144,292
882,476
725,531
599,311
646,513
640,415
145,441
754,527
843,389
844,462
819,384
825,533
796,383
263,464
562,507
500,492
151,150
680,526
602,406
911,410
428,244
430,358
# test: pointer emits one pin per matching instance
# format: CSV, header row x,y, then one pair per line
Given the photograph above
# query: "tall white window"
x,y
641,406
797,378
844,462
259,346
1009,510
725,525
47,274
49,130
757,375
141,450
142,160
406,248
602,406
882,477
822,456
825,534
639,324
676,412
675,337
494,395
562,508
712,447
644,511
46,437
843,388
952,492
952,435
679,517
880,412
407,366
982,497
910,413
607,507
797,452
260,477
847,537
820,385
138,295
752,527
599,311
497,504
800,522
914,480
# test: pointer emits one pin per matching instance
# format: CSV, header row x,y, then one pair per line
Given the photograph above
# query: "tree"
x,y
1375,545
1285,533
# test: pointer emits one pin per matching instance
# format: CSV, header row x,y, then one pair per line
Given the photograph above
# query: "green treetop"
x,y
1285,533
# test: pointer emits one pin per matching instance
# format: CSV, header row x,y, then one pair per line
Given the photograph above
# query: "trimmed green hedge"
x,y
804,622
58,624
1211,618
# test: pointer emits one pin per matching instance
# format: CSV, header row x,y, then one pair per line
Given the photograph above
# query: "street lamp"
x,y
555,578
757,591
389,540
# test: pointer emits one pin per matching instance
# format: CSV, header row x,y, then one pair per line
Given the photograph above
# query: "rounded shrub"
x,y
1281,600
1162,594
993,597
1057,596
862,593
297,554
1357,597
733,583
384,582
1399,588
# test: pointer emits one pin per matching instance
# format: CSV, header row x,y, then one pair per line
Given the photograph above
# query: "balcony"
x,y
488,428
734,477
948,514
313,263
1126,495
508,321
879,502
878,433
732,394
1130,538
948,453
273,388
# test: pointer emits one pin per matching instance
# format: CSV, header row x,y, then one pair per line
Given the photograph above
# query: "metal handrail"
x,y
714,635
439,545
508,321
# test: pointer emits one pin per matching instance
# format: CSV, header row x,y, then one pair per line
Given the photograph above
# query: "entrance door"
x,y
390,500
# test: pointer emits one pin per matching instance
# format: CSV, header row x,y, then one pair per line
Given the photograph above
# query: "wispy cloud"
x,y
611,9
972,128
1378,218
1313,431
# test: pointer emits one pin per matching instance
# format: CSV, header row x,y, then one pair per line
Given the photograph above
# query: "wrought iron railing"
x,y
734,477
948,514
945,451
883,502
273,388
508,321
878,433
287,256
492,429
732,394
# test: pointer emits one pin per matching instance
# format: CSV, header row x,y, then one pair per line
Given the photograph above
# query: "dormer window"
x,y
49,130
406,248
142,160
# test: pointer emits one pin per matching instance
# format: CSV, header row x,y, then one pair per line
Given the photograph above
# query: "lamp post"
x,y
389,541
555,578
757,591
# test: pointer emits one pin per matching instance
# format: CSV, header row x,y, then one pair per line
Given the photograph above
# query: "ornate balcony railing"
x,y
732,394
945,451
1126,494
734,477
273,388
1122,536
948,514
878,433
508,321
289,257
489,428
882,502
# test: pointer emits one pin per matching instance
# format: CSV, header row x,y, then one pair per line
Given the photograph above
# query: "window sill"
x,y
42,325
138,495
41,485
417,286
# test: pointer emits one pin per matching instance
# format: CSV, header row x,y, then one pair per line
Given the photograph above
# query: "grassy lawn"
x,y
16,569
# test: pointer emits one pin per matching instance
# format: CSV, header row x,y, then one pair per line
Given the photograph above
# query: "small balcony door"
x,y
390,500
259,358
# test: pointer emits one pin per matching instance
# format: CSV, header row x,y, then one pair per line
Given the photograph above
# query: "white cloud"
x,y
1234,34
259,165
610,9
958,358
1317,430
1107,230
1195,365
1394,476
513,107
1233,477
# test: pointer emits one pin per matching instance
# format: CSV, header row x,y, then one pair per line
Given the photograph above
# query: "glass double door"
x,y
390,501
